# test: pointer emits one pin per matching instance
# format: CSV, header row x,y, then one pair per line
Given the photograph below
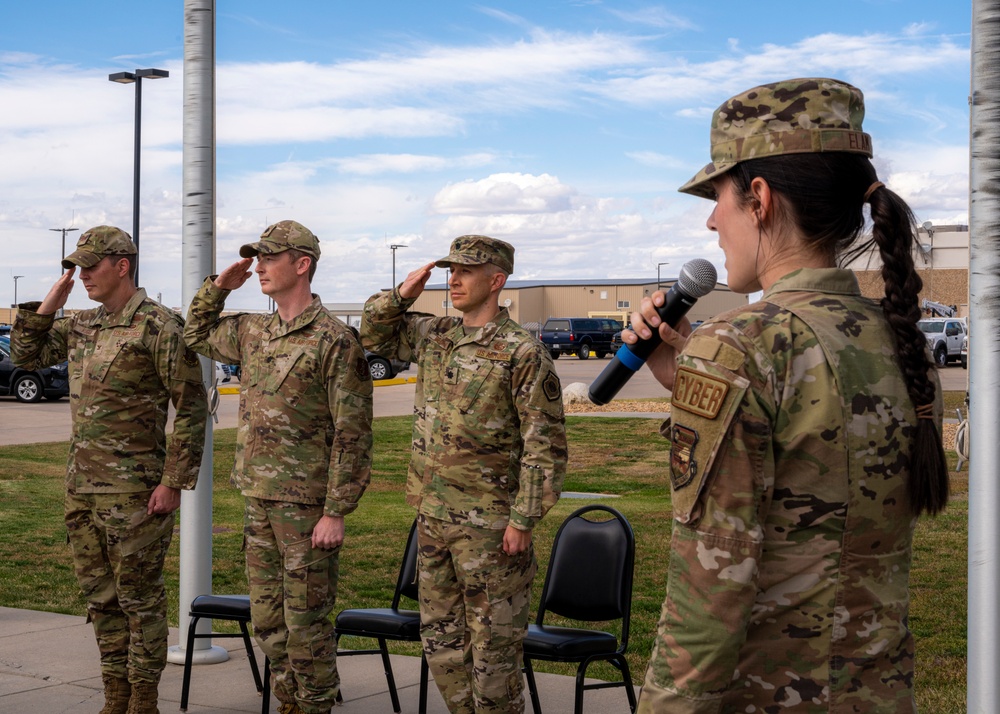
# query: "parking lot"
x,y
50,421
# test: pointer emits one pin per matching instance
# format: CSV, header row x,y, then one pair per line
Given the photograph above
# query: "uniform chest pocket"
x,y
121,366
294,375
478,387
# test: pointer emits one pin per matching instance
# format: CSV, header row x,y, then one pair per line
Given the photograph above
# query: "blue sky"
x,y
564,127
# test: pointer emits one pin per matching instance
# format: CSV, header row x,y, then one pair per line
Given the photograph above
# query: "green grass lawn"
x,y
625,457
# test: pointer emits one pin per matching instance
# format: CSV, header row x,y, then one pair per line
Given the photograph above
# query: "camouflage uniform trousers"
x,y
474,606
293,588
118,554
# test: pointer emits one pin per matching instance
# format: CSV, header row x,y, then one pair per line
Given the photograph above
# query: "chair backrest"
x,y
589,576
406,583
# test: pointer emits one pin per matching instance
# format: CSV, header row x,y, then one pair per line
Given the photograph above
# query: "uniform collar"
x,y
837,281
482,335
277,328
124,316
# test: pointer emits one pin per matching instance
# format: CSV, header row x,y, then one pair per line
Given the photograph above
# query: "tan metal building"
x,y
942,262
532,302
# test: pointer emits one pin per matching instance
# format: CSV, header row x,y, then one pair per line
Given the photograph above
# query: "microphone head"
x,y
697,278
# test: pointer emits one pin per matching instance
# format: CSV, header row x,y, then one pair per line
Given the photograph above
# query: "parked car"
x,y
965,353
581,336
31,385
382,368
944,336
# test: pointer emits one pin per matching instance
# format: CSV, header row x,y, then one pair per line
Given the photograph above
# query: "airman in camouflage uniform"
x,y
303,453
489,457
790,434
127,362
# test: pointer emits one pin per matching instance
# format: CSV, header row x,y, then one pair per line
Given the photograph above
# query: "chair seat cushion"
x,y
380,622
567,643
228,607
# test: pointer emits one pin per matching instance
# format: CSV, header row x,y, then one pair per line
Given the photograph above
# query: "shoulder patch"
x,y
550,385
699,393
682,462
702,347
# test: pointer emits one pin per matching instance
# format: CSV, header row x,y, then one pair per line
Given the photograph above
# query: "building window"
x,y
604,295
624,305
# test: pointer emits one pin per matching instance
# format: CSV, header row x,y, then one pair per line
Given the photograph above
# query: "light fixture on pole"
x,y
393,249
136,78
16,278
658,286
64,231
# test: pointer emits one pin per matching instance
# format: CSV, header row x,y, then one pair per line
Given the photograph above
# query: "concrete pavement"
x,y
49,665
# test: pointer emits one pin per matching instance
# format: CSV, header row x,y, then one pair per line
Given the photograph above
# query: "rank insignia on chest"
x,y
699,393
683,466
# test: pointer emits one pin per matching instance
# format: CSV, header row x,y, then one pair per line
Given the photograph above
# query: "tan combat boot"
x,y
144,698
116,694
289,708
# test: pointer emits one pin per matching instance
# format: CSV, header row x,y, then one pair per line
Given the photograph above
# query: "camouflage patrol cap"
x,y
796,116
97,243
477,250
282,236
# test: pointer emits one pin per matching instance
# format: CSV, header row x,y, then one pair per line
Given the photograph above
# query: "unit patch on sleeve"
x,y
683,467
550,385
699,393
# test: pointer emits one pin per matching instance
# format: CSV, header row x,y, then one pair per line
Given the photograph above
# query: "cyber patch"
x,y
550,385
699,393
683,466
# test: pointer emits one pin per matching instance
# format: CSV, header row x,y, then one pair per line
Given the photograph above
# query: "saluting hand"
x,y
58,294
663,362
415,282
235,275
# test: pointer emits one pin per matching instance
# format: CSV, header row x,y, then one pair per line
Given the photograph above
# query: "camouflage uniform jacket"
x,y
489,439
305,433
124,370
790,557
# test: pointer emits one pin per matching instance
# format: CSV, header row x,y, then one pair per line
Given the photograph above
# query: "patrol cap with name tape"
x,y
477,250
795,116
98,242
282,236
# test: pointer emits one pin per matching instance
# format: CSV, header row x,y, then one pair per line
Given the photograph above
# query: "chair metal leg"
x,y
387,666
581,674
251,656
532,689
188,654
622,665
265,706
422,707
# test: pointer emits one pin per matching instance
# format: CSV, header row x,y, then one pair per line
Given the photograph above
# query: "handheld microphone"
x,y
696,280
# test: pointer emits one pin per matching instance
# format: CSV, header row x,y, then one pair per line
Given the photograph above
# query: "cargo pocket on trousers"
x,y
312,571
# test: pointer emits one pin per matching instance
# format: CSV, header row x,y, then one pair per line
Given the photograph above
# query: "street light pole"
x,y
136,78
64,231
658,285
393,248
16,278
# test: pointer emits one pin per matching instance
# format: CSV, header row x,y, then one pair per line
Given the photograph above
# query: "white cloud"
x,y
655,16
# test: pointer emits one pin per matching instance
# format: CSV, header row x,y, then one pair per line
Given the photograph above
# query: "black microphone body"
x,y
696,280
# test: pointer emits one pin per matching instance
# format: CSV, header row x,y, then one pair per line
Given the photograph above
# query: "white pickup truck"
x,y
945,336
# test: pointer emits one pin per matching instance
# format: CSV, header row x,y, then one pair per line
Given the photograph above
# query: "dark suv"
x,y
581,336
30,385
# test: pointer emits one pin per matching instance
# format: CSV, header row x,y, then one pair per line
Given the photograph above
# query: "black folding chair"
x,y
390,623
589,579
235,608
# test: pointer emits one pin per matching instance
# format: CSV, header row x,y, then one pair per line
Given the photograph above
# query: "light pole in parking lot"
x,y
658,286
64,231
16,278
393,249
129,78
